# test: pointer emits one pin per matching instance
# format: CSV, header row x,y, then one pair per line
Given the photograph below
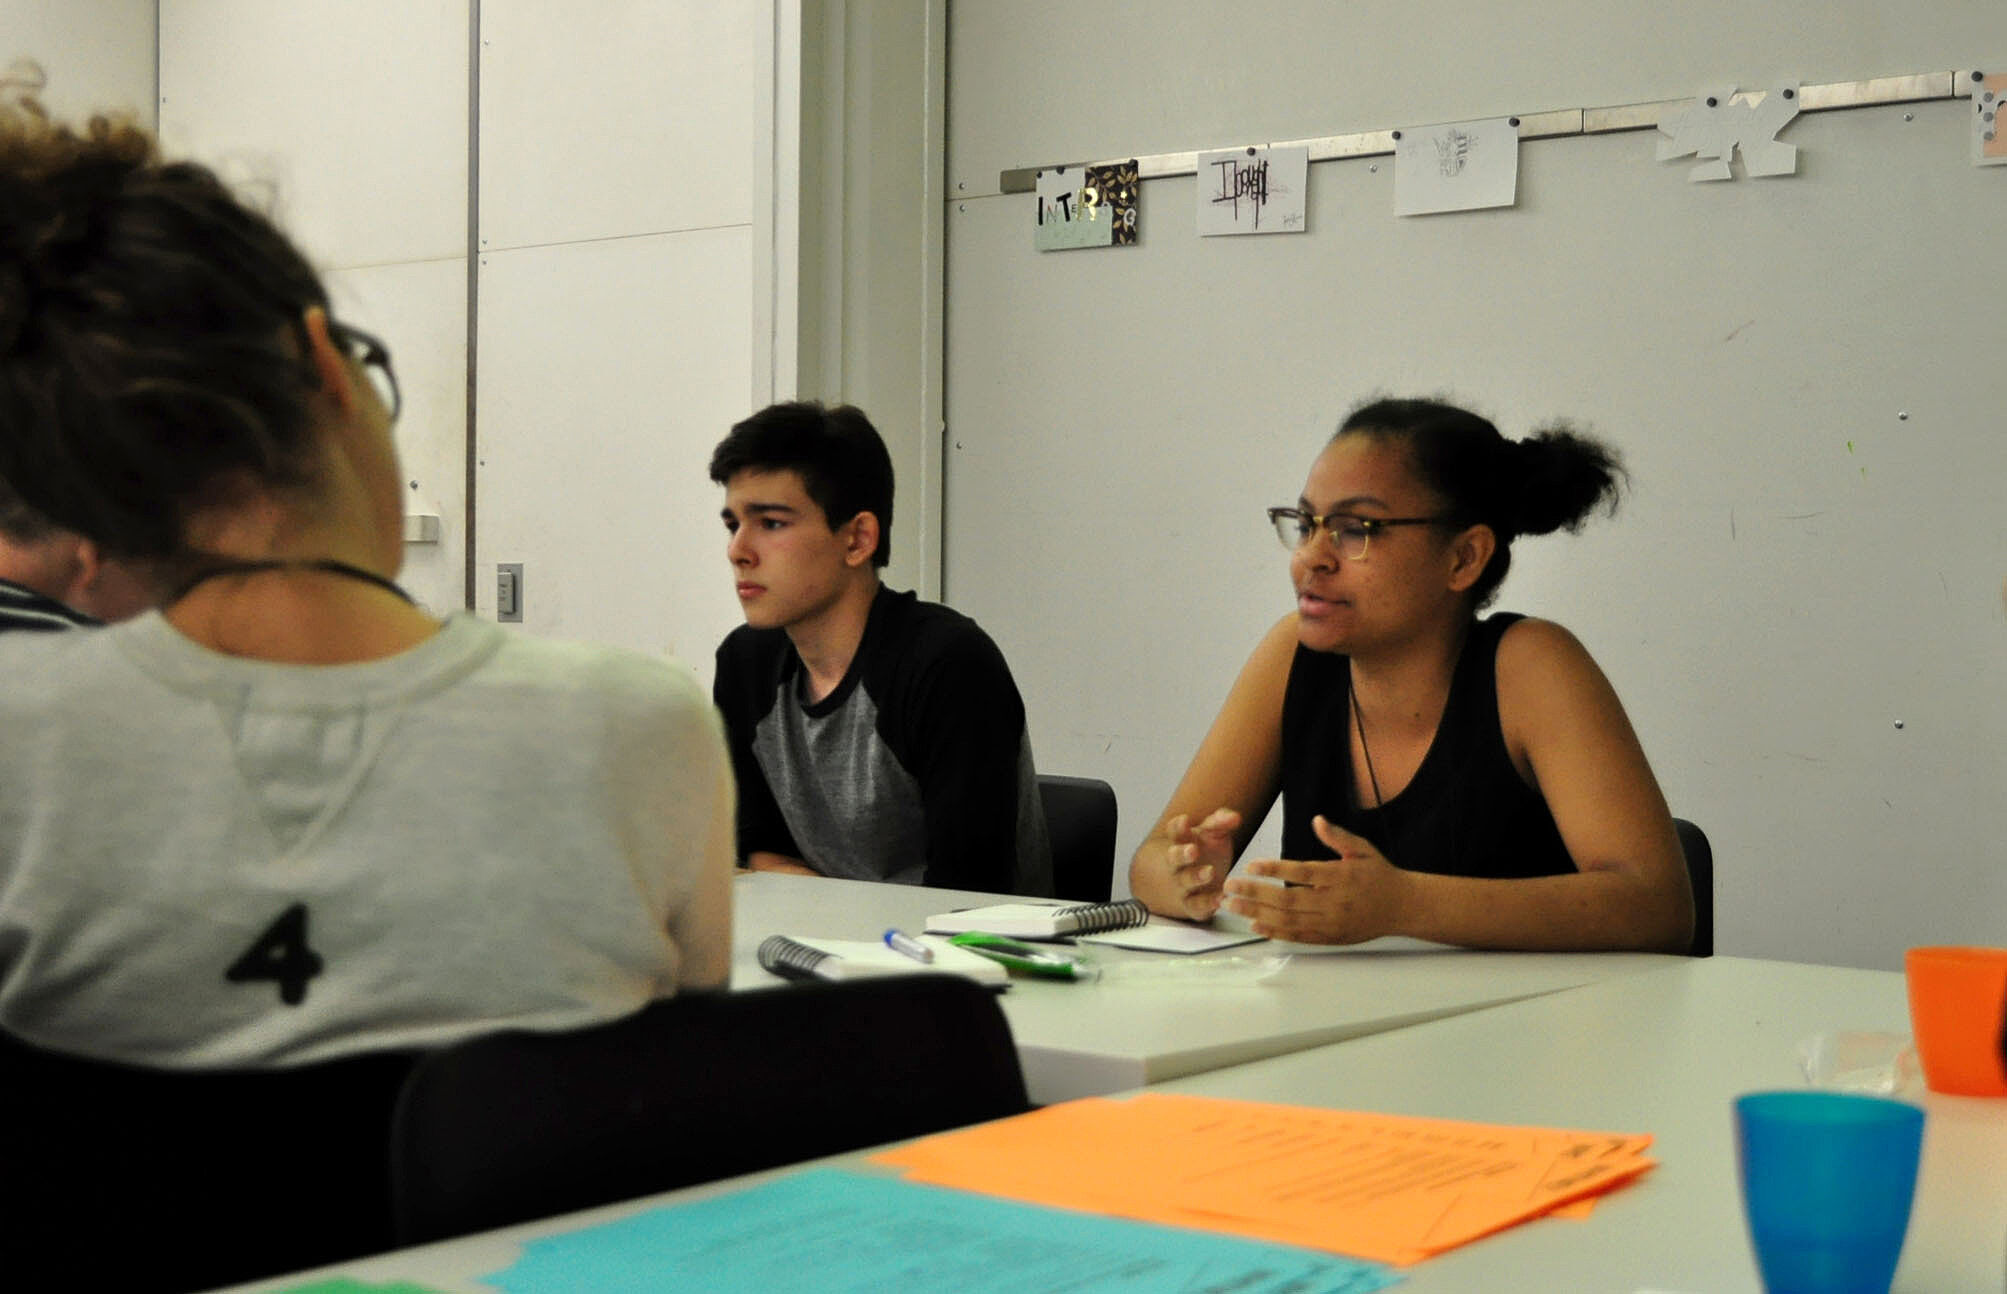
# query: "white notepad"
x,y
869,959
1127,924
1164,935
1036,920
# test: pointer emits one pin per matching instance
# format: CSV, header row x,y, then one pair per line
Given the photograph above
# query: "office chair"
x,y
123,1177
520,1125
1080,822
1700,870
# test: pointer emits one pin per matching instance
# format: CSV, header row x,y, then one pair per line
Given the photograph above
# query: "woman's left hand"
x,y
1347,900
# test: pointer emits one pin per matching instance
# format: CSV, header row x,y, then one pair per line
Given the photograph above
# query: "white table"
x,y
1090,1039
1664,1052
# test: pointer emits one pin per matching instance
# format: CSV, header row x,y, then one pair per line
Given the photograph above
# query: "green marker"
x,y
1025,959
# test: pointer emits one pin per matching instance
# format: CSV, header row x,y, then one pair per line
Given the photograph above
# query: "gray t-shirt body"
x,y
916,768
206,860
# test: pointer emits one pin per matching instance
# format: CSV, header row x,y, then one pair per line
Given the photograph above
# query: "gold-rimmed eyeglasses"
x,y
1351,535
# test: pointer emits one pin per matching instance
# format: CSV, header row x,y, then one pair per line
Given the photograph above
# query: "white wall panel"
x,y
609,371
420,312
605,118
98,55
355,110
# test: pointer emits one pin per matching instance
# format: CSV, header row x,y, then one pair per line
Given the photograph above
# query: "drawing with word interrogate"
x,y
1086,206
1714,126
1252,190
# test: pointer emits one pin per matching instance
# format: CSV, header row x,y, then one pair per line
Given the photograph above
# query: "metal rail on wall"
x,y
1917,88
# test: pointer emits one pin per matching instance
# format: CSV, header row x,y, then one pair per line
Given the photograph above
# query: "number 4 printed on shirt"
x,y
280,954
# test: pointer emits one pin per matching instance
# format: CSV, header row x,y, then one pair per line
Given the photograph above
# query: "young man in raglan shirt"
x,y
875,736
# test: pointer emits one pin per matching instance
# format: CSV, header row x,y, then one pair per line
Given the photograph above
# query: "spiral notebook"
x,y
805,957
1041,920
1126,924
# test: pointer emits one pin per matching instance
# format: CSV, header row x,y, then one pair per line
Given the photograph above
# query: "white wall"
x,y
615,309
744,208
604,183
639,250
870,134
1797,568
350,118
98,55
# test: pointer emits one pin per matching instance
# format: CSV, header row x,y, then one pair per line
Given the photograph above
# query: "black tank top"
x,y
1466,812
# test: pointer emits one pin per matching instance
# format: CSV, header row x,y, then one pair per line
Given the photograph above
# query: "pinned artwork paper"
x,y
1715,125
1252,190
1064,220
1117,189
1989,133
1086,206
1460,166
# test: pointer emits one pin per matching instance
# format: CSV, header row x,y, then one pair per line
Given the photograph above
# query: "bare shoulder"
x,y
1535,652
1238,764
1265,676
1278,645
1255,701
1550,687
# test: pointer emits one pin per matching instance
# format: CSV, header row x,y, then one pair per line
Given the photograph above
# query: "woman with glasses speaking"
x,y
1463,779
292,814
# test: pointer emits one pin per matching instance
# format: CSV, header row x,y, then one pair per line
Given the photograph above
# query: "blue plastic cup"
x,y
1827,1181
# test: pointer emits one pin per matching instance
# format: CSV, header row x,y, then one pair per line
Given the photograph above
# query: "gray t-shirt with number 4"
x,y
206,860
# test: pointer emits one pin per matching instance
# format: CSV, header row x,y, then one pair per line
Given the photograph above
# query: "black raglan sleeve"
x,y
744,690
965,729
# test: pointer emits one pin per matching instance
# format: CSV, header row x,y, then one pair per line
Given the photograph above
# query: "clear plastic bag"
x,y
1873,1064
1212,969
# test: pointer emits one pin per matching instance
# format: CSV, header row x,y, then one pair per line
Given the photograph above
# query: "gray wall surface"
x,y
98,55
1800,601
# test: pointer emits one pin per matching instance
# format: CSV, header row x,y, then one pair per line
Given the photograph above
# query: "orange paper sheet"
x,y
1374,1186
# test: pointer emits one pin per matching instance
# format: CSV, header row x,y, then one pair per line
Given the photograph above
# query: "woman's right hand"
x,y
1197,858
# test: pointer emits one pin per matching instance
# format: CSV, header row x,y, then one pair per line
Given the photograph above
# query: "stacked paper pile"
x,y
1374,1186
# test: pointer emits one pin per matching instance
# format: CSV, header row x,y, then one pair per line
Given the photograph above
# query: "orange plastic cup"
x,y
1957,1005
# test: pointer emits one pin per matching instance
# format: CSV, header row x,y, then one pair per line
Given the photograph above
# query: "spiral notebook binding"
x,y
791,960
1093,918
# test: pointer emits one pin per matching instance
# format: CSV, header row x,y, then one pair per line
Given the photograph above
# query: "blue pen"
x,y
907,946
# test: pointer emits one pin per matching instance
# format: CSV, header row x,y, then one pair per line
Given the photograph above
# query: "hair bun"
x,y
1559,478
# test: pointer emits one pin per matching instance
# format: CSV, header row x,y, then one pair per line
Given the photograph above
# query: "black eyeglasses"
x,y
374,357
1350,535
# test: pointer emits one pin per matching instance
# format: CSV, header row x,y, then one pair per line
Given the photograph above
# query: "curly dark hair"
x,y
151,336
1553,479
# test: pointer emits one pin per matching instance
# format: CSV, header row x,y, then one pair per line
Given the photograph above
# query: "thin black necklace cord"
x,y
328,565
1359,722
1393,842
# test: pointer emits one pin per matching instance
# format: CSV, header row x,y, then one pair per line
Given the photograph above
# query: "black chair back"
x,y
1700,870
1080,822
130,1178
518,1125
